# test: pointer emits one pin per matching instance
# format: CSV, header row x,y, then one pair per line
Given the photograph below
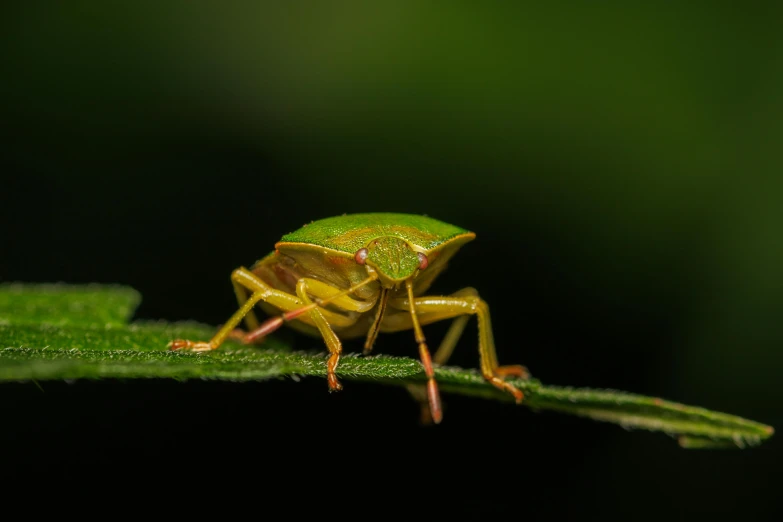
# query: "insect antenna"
x,y
426,360
273,323
376,325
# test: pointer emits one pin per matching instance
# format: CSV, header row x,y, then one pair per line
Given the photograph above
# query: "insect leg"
x,y
469,304
322,291
261,291
242,295
433,395
333,318
306,287
333,344
372,333
446,348
251,321
320,317
223,332
454,333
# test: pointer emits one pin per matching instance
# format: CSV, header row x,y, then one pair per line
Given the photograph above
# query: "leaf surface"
x,y
81,332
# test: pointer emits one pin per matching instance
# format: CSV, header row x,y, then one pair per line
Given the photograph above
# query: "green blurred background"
x,y
620,163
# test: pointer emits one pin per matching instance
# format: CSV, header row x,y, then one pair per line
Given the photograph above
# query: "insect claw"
x,y
178,344
334,384
516,392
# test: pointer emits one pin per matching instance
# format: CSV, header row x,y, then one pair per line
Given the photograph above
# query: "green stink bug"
x,y
358,275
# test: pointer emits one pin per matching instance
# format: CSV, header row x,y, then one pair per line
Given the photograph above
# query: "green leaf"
x,y
60,305
75,332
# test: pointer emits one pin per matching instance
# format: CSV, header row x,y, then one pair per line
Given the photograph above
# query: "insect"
x,y
358,275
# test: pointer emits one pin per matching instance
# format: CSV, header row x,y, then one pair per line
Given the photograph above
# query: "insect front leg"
x,y
316,288
306,287
465,302
446,348
333,344
260,291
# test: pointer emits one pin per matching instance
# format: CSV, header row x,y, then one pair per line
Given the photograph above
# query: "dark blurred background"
x,y
620,164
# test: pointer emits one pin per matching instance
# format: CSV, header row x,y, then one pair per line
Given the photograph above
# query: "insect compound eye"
x,y
423,261
361,256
